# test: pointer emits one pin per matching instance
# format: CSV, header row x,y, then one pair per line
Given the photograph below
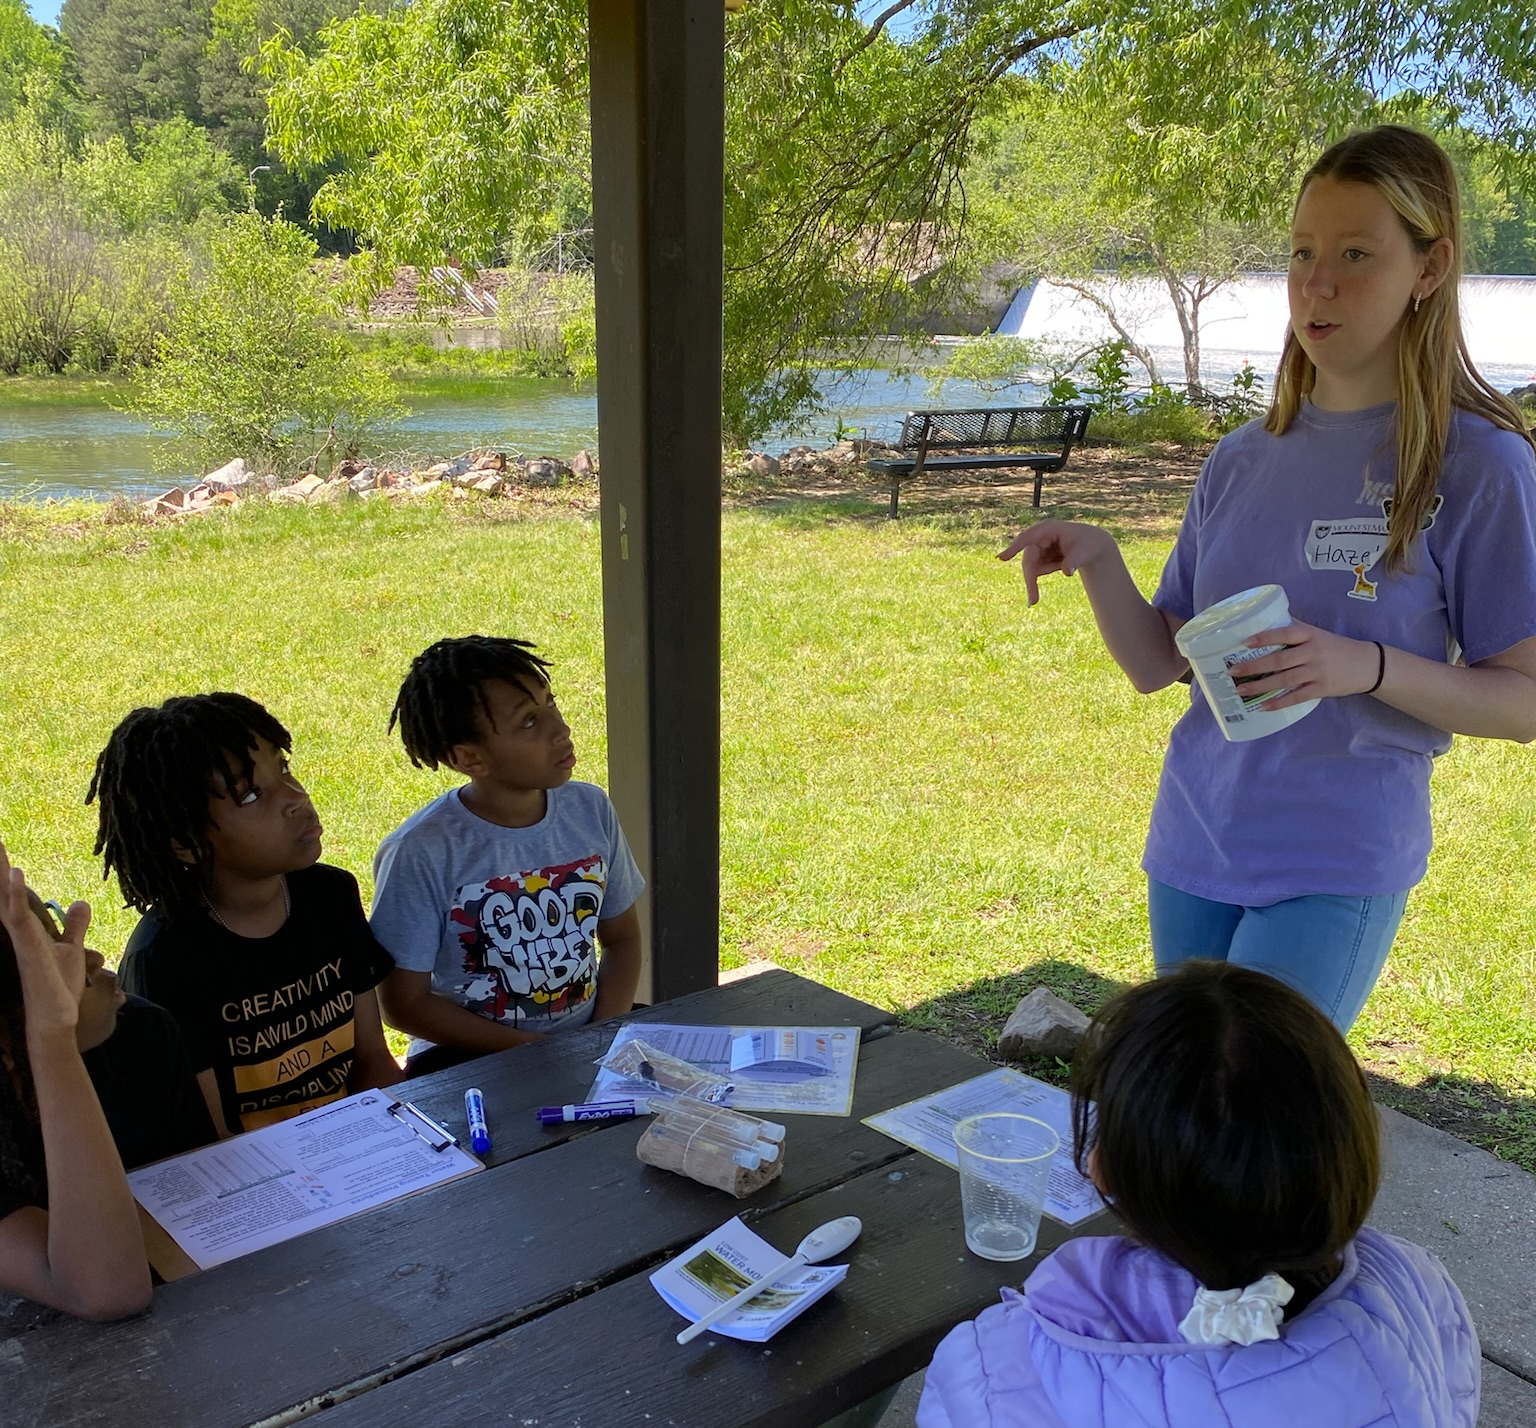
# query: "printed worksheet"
x,y
928,1125
805,1069
258,1189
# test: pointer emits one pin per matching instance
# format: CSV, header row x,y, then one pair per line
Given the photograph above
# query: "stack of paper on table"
x,y
266,1186
725,1263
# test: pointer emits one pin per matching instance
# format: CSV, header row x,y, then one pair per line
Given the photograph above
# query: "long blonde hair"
x,y
1434,372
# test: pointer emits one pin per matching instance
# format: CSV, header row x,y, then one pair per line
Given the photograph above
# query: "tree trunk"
x,y
1140,353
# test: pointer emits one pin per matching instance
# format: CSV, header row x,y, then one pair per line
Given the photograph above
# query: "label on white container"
x,y
1216,644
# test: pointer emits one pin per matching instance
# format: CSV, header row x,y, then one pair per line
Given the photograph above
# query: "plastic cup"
x,y
1005,1168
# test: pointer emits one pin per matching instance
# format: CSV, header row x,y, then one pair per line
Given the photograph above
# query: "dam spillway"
x,y
1245,321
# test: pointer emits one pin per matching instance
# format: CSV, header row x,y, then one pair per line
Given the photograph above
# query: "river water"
x,y
72,450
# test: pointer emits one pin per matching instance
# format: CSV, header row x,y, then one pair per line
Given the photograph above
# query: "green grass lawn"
x,y
934,798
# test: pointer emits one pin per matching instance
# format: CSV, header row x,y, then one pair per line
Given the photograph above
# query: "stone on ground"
x,y
1042,1025
231,476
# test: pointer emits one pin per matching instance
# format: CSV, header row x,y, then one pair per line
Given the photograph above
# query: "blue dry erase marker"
x,y
474,1113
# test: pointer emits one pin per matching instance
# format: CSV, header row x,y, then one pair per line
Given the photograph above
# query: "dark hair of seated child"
x,y
442,700
152,784
1229,1126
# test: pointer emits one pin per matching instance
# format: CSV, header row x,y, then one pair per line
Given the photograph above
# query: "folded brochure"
x,y
723,1264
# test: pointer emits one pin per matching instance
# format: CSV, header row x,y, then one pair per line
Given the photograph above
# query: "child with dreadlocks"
x,y
493,897
260,952
69,1232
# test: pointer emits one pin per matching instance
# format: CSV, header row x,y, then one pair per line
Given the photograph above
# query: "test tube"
x,y
723,1123
692,1140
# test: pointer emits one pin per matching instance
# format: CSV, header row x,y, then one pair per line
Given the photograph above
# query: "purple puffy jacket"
x,y
1093,1342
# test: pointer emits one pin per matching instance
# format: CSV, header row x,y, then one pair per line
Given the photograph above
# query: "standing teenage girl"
x,y
1392,493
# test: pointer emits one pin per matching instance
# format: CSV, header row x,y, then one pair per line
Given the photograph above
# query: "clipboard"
x,y
231,1198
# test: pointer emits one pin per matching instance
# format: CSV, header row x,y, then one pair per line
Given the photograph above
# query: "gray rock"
x,y
365,480
331,493
583,465
762,466
1042,1025
545,471
231,476
488,485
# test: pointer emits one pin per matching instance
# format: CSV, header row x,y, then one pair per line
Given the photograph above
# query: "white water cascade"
x,y
1246,322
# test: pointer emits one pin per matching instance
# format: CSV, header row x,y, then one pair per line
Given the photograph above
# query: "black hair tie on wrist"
x,y
1381,666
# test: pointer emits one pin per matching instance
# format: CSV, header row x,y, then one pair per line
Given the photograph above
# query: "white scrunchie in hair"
x,y
1238,1316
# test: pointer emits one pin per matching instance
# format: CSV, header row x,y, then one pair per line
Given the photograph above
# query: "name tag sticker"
x,y
1351,546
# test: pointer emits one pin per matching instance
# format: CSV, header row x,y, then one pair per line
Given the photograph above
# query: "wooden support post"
x,y
658,158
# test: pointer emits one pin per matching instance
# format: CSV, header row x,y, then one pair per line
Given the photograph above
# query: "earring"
x,y
1416,301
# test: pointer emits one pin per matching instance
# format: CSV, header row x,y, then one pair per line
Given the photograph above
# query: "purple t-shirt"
x,y
1339,801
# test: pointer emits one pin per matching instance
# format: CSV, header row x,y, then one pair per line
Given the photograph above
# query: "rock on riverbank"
x,y
472,475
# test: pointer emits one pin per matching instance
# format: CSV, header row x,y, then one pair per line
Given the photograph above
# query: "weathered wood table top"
x,y
520,1296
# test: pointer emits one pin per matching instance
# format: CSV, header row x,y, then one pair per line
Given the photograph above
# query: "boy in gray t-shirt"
x,y
494,897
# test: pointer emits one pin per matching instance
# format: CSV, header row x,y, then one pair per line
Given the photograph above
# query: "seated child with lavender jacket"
x,y
1224,1119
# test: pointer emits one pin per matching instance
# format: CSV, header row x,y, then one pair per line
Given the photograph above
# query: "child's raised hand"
x,y
52,973
1048,546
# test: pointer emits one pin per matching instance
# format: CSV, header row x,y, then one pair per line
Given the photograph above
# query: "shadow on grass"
x,y
1134,493
972,1017
1476,1111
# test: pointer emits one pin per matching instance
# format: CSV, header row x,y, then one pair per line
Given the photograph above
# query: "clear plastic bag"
x,y
657,1072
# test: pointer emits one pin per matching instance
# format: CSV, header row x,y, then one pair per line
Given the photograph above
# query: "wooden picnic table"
x,y
521,1296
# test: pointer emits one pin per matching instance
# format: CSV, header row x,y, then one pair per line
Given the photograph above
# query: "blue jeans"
x,y
1330,949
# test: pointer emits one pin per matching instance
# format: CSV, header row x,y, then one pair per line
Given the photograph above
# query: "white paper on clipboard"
x,y
266,1186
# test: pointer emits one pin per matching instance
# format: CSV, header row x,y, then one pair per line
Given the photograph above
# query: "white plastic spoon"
x,y
822,1243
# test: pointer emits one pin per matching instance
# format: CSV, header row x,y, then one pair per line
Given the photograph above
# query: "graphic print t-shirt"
x,y
272,1016
505,919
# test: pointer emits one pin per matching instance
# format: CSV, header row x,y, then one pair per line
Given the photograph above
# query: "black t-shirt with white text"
x,y
271,1016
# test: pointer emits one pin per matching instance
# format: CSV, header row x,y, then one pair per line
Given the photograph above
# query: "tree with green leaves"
x,y
90,236
848,139
30,55
138,61
1075,184
252,362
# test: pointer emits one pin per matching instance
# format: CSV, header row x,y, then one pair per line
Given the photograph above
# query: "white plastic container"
x,y
1215,643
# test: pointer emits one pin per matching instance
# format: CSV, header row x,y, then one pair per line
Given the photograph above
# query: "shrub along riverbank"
x,y
932,797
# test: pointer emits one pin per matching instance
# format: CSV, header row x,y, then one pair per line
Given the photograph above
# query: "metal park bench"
x,y
1049,432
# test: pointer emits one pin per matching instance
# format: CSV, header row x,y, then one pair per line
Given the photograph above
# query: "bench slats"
x,y
924,432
